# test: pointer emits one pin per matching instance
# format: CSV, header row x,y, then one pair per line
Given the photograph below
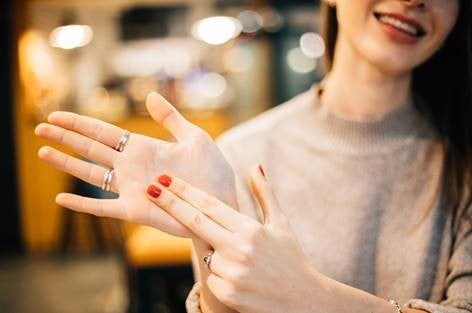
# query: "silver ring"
x,y
207,259
120,146
107,178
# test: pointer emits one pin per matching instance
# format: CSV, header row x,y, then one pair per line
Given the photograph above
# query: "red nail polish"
x,y
261,170
154,191
165,180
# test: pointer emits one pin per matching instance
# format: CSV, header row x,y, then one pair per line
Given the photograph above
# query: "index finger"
x,y
218,211
197,222
101,131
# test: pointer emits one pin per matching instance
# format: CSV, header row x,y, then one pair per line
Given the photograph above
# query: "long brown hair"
x,y
445,84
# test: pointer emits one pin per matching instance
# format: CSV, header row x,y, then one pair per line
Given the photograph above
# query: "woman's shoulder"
x,y
260,127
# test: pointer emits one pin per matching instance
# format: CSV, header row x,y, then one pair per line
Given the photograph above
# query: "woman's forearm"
x,y
340,298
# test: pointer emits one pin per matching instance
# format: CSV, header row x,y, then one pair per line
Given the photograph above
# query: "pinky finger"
x,y
223,291
99,207
86,171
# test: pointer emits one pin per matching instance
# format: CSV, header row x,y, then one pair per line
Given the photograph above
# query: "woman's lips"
x,y
400,28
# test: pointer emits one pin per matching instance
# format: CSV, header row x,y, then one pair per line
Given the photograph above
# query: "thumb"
x,y
167,115
272,213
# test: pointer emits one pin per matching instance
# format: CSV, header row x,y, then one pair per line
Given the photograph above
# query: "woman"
x,y
371,169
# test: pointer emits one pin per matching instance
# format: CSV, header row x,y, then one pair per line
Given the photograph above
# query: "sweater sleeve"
x,y
458,286
192,304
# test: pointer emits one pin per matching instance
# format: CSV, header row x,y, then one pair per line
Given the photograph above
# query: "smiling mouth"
x,y
403,24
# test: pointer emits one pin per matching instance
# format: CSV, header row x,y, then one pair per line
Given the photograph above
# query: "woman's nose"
x,y
416,3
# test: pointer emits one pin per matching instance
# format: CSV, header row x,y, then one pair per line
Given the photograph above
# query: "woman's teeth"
x,y
399,24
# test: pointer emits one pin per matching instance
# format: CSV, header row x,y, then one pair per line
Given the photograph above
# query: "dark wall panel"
x,y
9,211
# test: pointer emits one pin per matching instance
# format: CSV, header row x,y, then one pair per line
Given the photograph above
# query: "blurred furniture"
x,y
83,233
159,271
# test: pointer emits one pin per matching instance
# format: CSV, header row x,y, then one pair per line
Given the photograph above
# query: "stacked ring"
x,y
123,140
107,178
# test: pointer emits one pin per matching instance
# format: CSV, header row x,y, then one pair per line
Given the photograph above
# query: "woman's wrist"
x,y
334,296
208,302
340,298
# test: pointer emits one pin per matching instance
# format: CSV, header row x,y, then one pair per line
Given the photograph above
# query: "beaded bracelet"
x,y
397,306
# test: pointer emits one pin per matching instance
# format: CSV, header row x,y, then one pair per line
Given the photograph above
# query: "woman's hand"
x,y
255,267
192,157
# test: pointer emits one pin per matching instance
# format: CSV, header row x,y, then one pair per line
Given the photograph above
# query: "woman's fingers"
x,y
105,133
271,211
88,148
221,266
99,207
166,115
222,289
83,170
215,209
197,222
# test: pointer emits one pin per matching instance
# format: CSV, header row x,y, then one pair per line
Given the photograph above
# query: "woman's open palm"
x,y
193,156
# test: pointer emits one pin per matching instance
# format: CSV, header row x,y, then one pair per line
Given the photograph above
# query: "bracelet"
x,y
397,306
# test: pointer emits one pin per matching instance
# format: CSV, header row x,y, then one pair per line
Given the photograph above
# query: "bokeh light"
x,y
239,59
217,30
71,36
212,85
251,21
312,45
272,21
299,62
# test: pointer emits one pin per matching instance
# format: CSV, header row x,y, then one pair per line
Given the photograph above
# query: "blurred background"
x,y
219,62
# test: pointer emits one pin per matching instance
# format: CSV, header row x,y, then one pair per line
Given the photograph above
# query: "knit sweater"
x,y
363,198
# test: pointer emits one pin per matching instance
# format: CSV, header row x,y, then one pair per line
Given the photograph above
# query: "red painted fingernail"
x,y
261,170
165,180
154,191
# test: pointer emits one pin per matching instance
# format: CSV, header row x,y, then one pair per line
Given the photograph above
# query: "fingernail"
x,y
154,191
261,170
165,180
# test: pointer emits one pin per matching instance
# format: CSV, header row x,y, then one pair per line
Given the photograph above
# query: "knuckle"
x,y
244,253
181,189
65,163
168,203
229,295
87,147
252,233
199,134
197,220
171,113
93,174
62,137
208,203
74,120
239,276
98,130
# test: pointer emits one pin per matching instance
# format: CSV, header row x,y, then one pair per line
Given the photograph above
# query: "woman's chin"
x,y
392,61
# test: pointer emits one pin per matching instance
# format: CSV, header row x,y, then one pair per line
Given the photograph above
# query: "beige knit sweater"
x,y
363,199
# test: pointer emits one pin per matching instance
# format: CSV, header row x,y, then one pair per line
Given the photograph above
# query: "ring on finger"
x,y
207,259
120,146
107,178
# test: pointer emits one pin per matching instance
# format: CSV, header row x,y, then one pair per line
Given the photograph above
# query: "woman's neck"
x,y
356,89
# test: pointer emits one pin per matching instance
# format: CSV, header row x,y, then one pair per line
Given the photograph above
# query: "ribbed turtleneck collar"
x,y
398,127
